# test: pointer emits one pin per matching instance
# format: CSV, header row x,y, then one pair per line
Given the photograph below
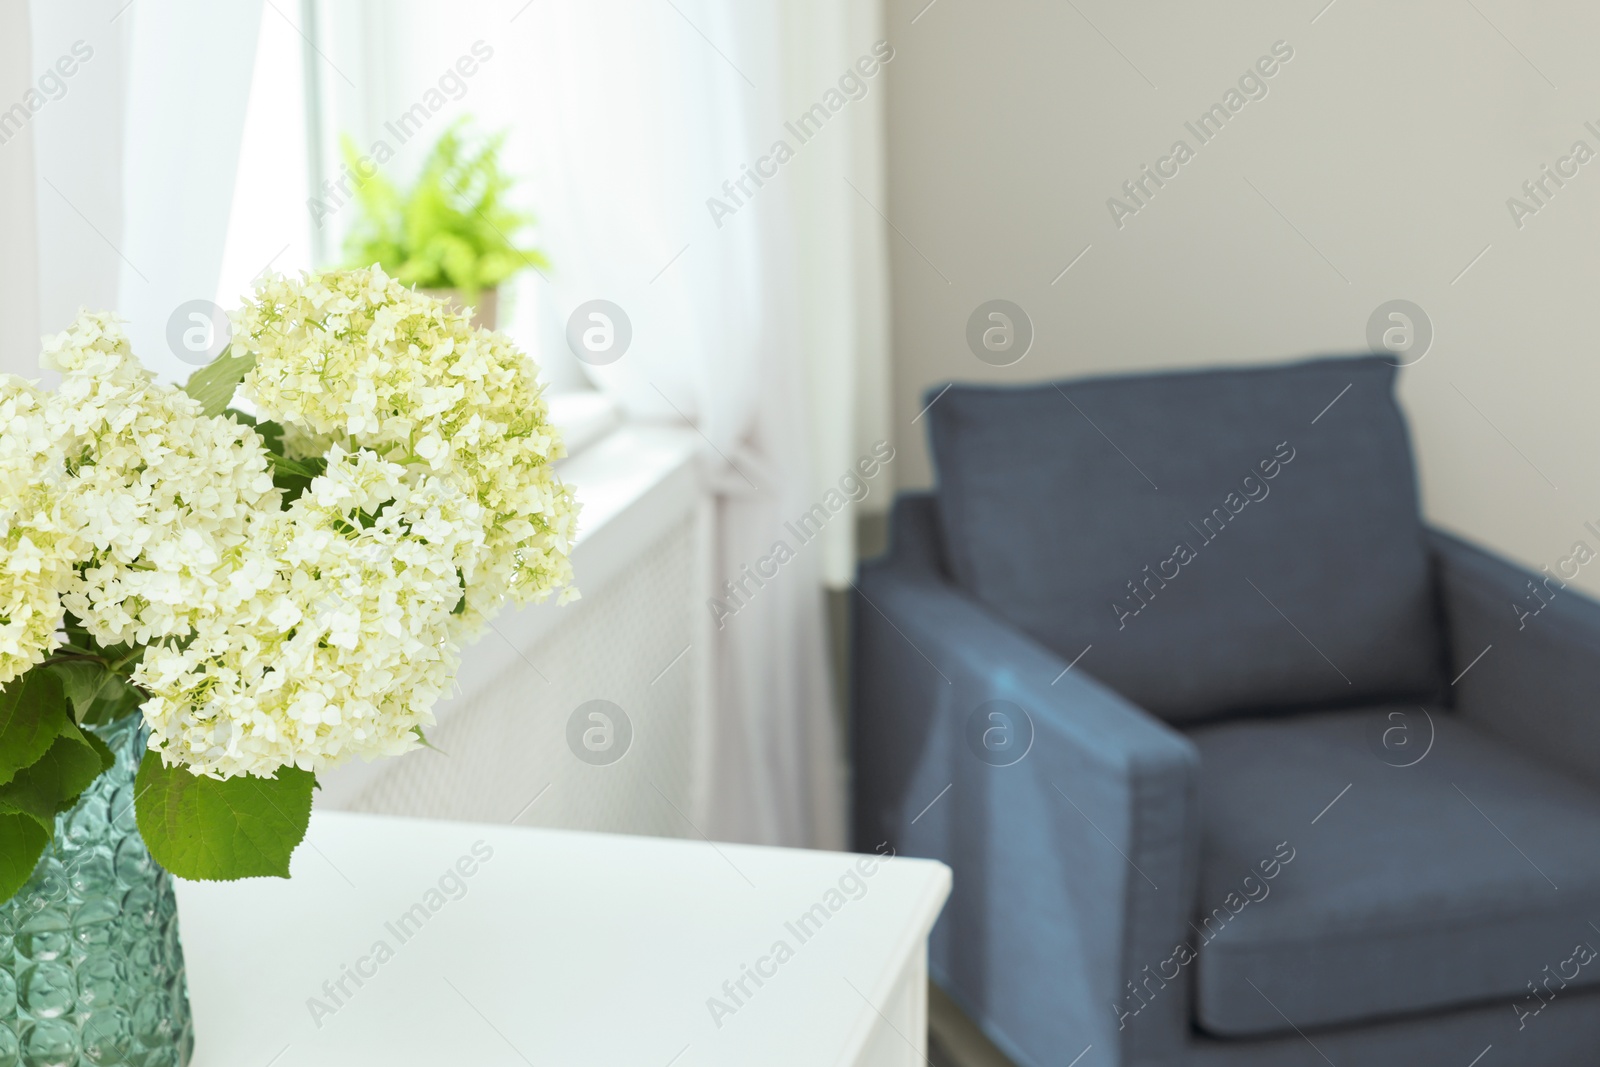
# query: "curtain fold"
x,y
756,290
77,163
134,157
184,123
838,187
19,276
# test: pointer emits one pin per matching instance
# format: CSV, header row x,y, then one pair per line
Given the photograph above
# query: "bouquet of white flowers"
x,y
274,593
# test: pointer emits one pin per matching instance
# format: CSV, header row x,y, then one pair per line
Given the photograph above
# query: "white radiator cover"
x,y
500,750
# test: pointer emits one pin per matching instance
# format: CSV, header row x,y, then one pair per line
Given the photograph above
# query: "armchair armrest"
x,y
1537,682
1074,866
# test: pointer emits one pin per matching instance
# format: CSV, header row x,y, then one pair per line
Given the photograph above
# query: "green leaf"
x,y
33,713
214,384
294,476
293,467
108,758
219,830
452,228
54,783
117,699
271,436
426,743
82,680
96,693
22,842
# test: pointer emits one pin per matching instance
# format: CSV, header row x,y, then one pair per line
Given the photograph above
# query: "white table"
x,y
558,948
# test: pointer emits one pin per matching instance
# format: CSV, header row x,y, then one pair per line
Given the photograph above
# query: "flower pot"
x,y
485,315
91,971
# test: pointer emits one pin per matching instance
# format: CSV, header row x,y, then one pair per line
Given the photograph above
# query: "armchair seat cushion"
x,y
1450,868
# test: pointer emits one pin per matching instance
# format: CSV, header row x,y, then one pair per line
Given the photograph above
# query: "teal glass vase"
x,y
91,971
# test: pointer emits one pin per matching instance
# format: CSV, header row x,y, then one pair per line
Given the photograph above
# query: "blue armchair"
x,y
1235,761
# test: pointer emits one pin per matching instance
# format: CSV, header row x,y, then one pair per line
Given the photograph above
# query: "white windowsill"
x,y
583,416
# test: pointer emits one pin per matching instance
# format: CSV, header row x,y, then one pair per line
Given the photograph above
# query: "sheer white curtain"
x,y
133,159
188,87
19,273
765,332
765,327
647,111
837,186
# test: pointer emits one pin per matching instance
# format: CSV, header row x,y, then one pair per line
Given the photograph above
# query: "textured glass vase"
x,y
91,971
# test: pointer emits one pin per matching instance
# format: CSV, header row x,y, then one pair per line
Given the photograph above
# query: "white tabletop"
x,y
558,948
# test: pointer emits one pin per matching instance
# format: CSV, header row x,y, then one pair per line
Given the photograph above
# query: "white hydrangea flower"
x,y
161,494
275,636
339,646
357,357
38,542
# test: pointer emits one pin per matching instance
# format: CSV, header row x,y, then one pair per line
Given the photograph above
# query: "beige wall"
x,y
1390,141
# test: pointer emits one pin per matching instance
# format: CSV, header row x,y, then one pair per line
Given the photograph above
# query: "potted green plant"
x,y
452,232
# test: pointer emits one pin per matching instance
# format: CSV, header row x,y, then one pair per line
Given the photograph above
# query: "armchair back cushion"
x,y
1220,541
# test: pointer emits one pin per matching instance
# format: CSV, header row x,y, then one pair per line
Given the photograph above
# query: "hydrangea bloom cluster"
x,y
279,634
122,502
38,542
358,358
343,635
162,495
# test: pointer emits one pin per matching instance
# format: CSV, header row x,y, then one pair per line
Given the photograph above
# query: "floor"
x,y
953,1040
